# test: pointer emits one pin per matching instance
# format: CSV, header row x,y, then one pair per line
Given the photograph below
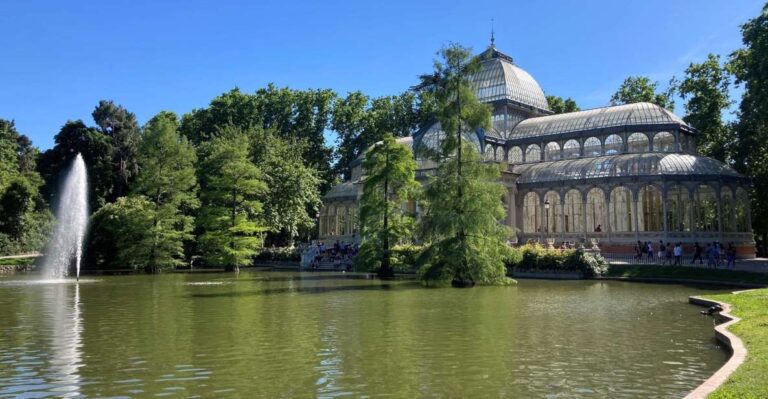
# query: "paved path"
x,y
759,265
29,255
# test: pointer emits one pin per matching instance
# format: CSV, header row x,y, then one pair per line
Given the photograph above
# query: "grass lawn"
x,y
750,380
688,273
17,261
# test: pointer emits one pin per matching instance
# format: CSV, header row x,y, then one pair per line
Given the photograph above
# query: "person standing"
x,y
731,253
710,252
697,254
662,252
678,252
650,251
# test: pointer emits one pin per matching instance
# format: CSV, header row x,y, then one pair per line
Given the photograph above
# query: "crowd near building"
x,y
617,174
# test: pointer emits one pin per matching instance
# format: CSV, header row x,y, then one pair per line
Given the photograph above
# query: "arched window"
x,y
552,151
596,210
614,144
532,153
650,209
489,152
332,221
621,209
705,202
499,154
664,142
637,142
571,149
727,207
574,212
515,155
592,147
531,213
678,209
742,201
551,216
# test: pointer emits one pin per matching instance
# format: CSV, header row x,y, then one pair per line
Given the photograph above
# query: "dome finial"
x,y
493,39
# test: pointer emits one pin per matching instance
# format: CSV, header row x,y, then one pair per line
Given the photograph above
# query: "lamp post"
x,y
546,212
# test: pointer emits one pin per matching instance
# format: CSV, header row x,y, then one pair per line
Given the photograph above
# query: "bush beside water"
x,y
534,257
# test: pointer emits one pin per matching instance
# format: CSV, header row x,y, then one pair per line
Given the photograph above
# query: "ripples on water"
x,y
284,335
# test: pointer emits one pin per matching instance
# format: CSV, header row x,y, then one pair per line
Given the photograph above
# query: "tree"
x,y
118,236
96,148
167,180
637,89
558,105
750,68
464,239
390,180
115,121
705,89
292,197
231,215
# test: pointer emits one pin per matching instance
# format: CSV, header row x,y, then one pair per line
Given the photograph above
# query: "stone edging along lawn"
x,y
738,351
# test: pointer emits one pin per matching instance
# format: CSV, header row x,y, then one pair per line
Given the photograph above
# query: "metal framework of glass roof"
x,y
500,79
654,165
628,116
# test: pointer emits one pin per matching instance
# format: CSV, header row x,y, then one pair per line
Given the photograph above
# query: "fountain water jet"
x,y
72,220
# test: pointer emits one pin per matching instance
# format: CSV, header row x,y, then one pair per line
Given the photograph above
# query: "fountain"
x,y
72,219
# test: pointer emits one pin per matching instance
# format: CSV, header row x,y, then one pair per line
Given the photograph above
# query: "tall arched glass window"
x,y
637,142
531,207
742,201
515,155
678,209
621,209
571,149
332,231
650,209
596,210
727,207
499,154
614,145
664,142
574,212
551,217
532,153
489,152
552,151
705,202
342,225
592,147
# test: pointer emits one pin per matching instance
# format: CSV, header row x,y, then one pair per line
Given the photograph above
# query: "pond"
x,y
282,334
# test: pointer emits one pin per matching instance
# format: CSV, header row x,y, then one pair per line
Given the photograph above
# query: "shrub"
x,y
534,257
287,254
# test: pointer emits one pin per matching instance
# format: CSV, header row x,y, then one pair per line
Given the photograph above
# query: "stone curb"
x,y
682,281
738,351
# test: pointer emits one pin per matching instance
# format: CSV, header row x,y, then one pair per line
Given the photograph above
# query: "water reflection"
x,y
63,300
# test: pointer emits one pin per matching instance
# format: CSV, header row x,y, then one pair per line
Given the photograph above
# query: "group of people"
x,y
341,253
671,254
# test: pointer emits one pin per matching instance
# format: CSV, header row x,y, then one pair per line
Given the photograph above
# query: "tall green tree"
x,y
636,89
292,197
231,215
464,237
167,179
116,122
558,105
750,68
390,180
705,91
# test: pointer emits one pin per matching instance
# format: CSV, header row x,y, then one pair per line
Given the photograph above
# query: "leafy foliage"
x,y
390,180
231,214
750,68
636,89
116,122
535,257
705,89
168,182
558,105
118,236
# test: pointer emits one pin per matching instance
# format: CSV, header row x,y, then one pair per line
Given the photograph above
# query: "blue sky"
x,y
60,58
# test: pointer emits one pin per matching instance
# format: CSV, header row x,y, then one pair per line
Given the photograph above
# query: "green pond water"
x,y
285,335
